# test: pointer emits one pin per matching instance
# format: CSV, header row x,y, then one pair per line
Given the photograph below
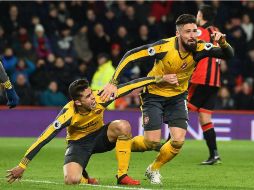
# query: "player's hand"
x,y
171,79
14,174
109,92
219,37
12,97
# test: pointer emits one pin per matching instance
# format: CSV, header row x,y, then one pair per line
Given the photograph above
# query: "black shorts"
x,y
202,98
158,109
80,151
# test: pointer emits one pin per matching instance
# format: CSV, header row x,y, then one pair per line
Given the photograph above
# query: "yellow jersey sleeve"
x,y
126,88
63,120
211,50
144,54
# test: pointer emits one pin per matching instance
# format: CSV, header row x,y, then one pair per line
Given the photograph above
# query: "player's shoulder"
x,y
167,40
68,107
161,41
164,43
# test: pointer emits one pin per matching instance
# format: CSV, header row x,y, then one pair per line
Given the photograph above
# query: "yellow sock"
x,y
167,152
84,180
138,144
123,153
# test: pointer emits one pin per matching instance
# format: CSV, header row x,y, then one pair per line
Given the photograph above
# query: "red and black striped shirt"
x,y
207,71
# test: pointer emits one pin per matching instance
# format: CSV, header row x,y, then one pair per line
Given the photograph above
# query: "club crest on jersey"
x,y
184,65
98,111
57,124
199,32
208,46
151,51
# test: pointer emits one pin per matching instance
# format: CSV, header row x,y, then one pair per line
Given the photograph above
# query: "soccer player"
x,y
87,134
12,97
205,83
177,57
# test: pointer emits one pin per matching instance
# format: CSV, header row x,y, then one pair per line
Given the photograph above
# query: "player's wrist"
x,y
24,163
223,43
22,166
7,85
158,79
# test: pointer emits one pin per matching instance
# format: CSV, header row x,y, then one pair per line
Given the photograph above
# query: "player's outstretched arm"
x,y
63,120
126,88
144,54
225,51
12,96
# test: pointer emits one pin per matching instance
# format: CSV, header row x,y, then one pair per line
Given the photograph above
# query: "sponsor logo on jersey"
x,y
208,46
151,51
57,124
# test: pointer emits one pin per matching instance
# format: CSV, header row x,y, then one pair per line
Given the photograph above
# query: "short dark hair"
x,y
208,12
76,87
185,19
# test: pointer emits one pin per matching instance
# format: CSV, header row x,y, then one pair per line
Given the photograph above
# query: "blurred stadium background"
x,y
46,45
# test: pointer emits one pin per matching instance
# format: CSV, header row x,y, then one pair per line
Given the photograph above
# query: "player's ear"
x,y
177,33
77,103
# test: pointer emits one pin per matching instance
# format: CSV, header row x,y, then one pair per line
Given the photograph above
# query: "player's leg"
x,y
205,120
117,134
202,99
76,159
176,116
152,111
73,174
210,137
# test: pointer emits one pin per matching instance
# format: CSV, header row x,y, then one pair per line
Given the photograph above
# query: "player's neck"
x,y
181,47
83,110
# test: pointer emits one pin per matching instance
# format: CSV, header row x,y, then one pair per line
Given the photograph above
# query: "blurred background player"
x,y
205,83
11,95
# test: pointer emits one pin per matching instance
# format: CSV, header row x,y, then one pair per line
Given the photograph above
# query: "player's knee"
x,y
124,127
177,145
151,145
71,179
204,118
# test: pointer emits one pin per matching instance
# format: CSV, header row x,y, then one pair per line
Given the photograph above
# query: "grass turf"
x,y
184,172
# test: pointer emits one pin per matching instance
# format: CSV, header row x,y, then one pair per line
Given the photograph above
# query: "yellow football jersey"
x,y
168,59
80,125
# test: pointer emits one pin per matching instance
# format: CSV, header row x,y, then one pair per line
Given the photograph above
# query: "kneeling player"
x,y
87,134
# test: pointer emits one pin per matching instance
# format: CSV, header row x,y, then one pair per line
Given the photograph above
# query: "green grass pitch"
x,y
184,172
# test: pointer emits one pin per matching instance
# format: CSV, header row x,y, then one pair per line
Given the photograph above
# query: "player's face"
x,y
87,100
187,34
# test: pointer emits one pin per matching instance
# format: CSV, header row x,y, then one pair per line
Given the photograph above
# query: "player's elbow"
x,y
71,180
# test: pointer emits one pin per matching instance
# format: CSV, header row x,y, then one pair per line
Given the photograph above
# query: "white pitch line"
x,y
105,186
